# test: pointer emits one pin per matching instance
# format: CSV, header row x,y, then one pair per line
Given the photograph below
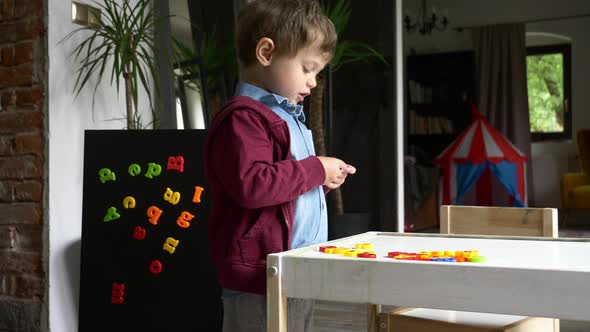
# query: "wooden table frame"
x,y
508,285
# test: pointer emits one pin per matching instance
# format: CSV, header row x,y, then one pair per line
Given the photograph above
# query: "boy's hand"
x,y
336,171
350,169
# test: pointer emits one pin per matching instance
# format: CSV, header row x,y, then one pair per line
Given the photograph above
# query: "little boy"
x,y
267,184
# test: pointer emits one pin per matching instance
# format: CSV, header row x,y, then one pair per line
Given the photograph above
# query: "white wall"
x,y
68,118
549,159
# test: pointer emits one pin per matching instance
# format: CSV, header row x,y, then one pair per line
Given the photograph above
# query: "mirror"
x,y
429,130
206,71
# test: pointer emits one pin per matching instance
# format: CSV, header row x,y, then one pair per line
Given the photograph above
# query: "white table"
x,y
540,277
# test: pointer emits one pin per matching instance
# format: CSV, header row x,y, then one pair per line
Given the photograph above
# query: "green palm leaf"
x,y
218,61
347,51
122,39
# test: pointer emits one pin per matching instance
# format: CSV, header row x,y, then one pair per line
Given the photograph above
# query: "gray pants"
x,y
247,313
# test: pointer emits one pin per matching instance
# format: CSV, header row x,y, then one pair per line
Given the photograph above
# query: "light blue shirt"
x,y
311,219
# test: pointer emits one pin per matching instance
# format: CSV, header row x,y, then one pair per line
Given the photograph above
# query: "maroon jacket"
x,y
254,183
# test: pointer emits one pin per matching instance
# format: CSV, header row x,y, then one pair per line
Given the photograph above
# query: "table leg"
x,y
373,311
276,301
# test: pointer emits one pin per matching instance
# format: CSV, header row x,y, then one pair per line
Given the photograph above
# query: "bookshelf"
x,y
439,86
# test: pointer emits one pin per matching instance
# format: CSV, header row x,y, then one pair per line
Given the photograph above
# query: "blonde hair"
x,y
291,24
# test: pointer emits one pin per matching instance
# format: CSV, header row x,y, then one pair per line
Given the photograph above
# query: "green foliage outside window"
x,y
545,92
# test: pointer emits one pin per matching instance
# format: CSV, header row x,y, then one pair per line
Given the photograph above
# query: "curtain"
x,y
501,75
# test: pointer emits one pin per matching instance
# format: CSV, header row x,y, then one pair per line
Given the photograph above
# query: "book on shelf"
x,y
419,93
428,125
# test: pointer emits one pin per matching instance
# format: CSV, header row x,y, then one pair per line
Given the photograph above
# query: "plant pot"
x,y
347,224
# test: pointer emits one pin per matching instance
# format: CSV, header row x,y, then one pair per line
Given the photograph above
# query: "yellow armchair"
x,y
575,187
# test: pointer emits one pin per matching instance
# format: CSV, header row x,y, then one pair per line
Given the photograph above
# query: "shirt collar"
x,y
270,99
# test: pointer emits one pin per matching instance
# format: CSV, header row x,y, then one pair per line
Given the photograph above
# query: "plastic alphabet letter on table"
x,y
134,169
117,293
111,214
183,220
153,213
172,196
176,164
170,245
105,175
153,170
139,233
197,195
129,202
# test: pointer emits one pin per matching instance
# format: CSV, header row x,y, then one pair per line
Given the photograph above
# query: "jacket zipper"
x,y
288,246
288,155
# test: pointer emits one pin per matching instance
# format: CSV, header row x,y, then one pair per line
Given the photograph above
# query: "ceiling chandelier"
x,y
425,22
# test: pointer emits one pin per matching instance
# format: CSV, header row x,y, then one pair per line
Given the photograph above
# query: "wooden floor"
x,y
352,317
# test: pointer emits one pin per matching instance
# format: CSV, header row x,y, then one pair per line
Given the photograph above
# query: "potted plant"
x,y
346,52
120,45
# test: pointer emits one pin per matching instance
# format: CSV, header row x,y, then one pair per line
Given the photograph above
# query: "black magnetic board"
x,y
144,260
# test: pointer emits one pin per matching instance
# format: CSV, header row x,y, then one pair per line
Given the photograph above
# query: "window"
x,y
548,80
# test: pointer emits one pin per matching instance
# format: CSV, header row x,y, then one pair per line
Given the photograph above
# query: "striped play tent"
x,y
479,153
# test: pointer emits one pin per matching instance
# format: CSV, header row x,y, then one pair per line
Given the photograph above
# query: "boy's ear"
x,y
264,51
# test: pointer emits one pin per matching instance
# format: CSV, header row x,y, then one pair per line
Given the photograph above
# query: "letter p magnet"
x,y
153,170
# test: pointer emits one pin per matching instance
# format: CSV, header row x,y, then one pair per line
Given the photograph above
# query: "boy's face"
x,y
294,77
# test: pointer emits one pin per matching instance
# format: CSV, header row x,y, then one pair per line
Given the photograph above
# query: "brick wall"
x,y
23,170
